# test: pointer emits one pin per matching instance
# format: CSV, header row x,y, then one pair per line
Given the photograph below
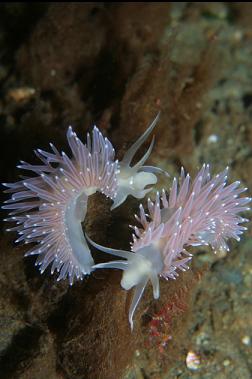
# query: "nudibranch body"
x,y
202,212
48,209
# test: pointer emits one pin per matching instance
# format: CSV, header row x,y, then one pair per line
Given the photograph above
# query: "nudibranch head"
x,y
200,212
133,180
49,207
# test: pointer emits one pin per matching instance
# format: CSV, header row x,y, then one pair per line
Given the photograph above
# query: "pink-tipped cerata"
x,y
49,207
204,211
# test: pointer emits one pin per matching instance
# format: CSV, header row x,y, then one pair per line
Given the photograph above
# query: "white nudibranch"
x,y
202,212
49,208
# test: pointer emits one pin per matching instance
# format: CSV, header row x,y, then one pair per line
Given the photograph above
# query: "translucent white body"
x,y
50,207
75,214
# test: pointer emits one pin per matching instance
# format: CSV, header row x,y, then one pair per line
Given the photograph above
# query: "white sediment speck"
x,y
226,362
246,340
213,138
192,361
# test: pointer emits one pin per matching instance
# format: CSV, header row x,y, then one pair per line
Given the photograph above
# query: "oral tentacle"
x,y
120,265
119,253
144,158
154,170
130,153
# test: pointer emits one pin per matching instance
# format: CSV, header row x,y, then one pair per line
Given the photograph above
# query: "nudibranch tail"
x,y
49,208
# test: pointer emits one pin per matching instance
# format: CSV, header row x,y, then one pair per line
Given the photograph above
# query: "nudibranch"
x,y
49,207
200,212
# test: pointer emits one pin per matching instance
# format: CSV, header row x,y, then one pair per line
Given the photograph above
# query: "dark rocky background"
x,y
116,65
